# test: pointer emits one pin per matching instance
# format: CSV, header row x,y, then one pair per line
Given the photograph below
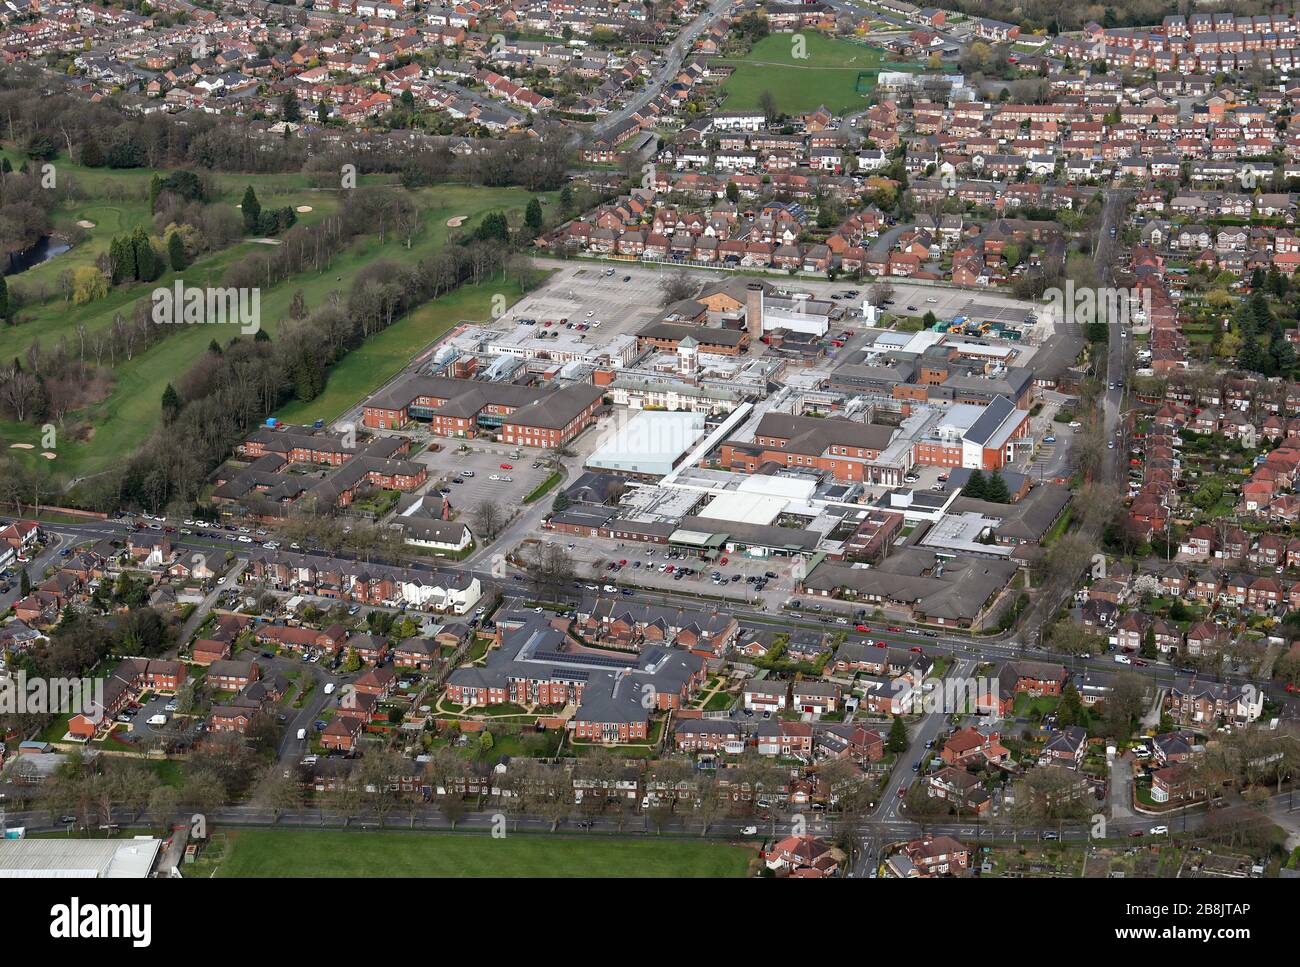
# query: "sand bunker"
x,y
456,222
85,223
47,454
21,446
303,209
267,241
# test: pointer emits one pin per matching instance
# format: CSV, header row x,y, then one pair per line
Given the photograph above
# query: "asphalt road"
x,y
991,648
673,58
423,816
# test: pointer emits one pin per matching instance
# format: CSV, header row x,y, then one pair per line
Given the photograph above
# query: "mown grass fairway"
x,y
120,423
383,355
826,76
309,853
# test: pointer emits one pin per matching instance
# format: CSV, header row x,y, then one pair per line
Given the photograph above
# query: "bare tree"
x,y
678,286
488,519
551,568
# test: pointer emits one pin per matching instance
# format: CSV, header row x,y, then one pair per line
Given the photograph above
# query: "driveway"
x,y
1121,788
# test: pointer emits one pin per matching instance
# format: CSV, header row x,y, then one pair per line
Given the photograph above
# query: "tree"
x,y
996,489
171,403
488,519
897,741
1149,642
252,210
976,487
164,801
767,104
493,227
289,109
533,216
453,807
379,771
677,287
282,794
5,309
176,252
551,568
91,155
1124,704
1070,711
147,265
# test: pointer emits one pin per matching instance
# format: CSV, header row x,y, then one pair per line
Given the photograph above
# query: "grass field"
x,y
318,853
385,354
125,419
826,76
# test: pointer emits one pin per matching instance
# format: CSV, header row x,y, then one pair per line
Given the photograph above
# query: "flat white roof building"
x,y
650,443
101,859
745,508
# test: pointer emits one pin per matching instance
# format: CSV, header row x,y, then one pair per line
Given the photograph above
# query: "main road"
x,y
961,646
672,63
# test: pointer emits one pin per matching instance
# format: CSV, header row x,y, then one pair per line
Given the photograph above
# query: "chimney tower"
x,y
754,310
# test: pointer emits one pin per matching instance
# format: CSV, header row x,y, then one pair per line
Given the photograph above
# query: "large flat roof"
x,y
744,508
104,859
652,441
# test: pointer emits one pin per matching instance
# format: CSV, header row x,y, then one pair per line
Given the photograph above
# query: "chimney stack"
x,y
754,310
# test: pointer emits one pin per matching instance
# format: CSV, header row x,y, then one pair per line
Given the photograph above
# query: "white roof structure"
x,y
908,342
651,442
776,485
745,508
101,859
1003,353
961,534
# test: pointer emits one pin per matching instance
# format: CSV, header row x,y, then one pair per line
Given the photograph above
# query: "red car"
x,y
622,563
895,628
1139,662
670,568
507,466
916,649
1292,689
881,644
723,561
862,628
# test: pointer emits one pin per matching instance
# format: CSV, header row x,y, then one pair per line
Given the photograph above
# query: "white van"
x,y
302,734
329,689
159,719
